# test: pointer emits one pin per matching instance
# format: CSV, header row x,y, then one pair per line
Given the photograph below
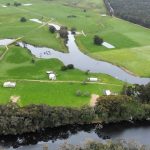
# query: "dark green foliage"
x,y
52,29
17,4
63,32
63,68
23,19
139,92
18,120
136,11
118,108
73,30
97,40
70,66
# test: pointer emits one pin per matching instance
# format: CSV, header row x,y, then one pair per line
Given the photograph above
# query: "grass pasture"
x,y
54,94
17,66
132,51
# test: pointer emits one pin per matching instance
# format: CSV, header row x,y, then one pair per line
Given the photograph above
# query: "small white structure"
x,y
9,84
36,20
4,6
103,15
52,76
49,72
107,92
26,4
107,45
93,79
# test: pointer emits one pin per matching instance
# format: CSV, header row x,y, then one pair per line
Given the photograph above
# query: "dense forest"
x,y
136,11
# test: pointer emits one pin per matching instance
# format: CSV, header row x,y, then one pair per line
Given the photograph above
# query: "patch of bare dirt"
x,y
93,100
14,99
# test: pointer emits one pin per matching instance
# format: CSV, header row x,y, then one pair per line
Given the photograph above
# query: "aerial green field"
x,y
33,86
132,52
129,40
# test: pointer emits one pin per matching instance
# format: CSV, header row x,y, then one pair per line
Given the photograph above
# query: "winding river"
x,y
76,135
79,59
84,62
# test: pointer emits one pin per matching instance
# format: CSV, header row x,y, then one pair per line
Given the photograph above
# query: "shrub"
x,y
63,32
70,66
78,93
73,30
87,94
17,4
52,29
63,68
97,40
23,19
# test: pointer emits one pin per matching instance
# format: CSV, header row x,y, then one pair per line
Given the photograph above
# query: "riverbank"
x,y
18,120
54,137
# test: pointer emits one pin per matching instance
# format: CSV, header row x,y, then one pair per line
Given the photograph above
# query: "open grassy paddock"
x,y
132,50
17,66
131,41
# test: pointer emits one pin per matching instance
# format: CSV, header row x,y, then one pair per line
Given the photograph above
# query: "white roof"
x,y
36,20
26,4
50,72
107,45
107,92
9,84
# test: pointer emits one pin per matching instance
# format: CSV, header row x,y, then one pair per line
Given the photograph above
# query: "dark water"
x,y
139,132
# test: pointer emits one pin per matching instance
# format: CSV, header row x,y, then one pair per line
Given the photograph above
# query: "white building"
x,y
9,84
52,76
49,72
107,92
93,79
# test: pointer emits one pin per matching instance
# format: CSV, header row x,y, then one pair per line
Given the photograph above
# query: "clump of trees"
x,y
136,11
97,40
52,29
69,66
23,19
17,4
139,92
63,32
18,120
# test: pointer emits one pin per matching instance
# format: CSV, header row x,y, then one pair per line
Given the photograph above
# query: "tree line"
x,y
18,120
136,11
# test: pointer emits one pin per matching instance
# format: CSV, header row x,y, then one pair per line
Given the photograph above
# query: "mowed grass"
x,y
17,66
123,35
53,94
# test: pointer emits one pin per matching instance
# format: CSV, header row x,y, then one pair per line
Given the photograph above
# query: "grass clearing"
x,y
54,94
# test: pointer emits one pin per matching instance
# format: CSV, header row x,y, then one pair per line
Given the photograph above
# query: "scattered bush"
x,y
73,30
86,94
70,66
17,4
63,68
23,19
52,29
63,32
97,40
78,93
